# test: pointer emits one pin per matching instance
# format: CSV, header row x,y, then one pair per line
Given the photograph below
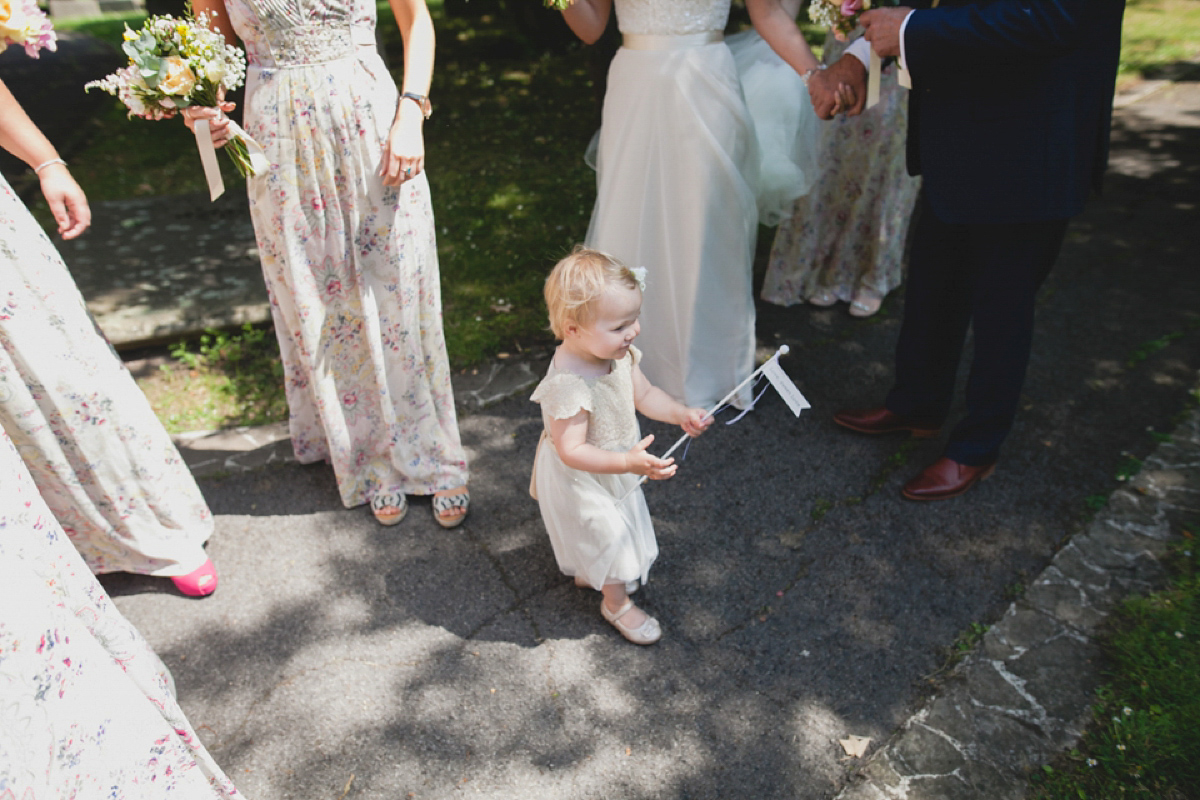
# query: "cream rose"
x,y
180,79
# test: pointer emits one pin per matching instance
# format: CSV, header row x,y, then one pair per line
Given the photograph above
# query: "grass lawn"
x,y
1158,35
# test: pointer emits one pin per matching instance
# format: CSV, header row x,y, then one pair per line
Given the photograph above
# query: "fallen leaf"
x,y
855,746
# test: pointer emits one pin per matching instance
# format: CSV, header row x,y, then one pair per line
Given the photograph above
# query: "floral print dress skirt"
x,y
848,234
350,264
87,709
101,459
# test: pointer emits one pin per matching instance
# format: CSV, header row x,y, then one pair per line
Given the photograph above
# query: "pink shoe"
x,y
198,583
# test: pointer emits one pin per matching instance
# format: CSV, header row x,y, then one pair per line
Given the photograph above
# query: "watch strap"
x,y
422,101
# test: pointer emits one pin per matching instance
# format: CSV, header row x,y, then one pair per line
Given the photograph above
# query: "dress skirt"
x,y
352,272
595,534
849,233
676,175
87,710
101,459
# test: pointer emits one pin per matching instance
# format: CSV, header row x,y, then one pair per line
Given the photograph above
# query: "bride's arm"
x,y
588,18
775,21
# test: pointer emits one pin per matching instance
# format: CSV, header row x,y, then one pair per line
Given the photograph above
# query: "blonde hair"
x,y
577,282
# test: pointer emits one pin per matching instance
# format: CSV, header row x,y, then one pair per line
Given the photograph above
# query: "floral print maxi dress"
x,y
87,709
101,459
351,265
849,232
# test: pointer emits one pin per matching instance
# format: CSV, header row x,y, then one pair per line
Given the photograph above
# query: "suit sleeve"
x,y
991,36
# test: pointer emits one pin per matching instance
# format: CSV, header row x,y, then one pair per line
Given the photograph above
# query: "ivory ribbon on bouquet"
x,y
773,373
874,73
208,155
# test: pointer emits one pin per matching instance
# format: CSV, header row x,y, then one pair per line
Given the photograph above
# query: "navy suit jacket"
x,y
1011,105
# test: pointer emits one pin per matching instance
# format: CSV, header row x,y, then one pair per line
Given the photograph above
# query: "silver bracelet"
x,y
804,78
37,170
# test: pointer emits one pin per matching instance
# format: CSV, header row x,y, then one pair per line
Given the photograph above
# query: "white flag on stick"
x,y
783,384
778,378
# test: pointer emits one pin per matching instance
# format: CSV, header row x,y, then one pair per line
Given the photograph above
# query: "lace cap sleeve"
x,y
564,395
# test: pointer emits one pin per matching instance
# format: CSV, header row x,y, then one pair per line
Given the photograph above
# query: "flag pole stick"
x,y
782,351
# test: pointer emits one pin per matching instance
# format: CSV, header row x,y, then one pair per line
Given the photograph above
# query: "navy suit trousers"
x,y
979,276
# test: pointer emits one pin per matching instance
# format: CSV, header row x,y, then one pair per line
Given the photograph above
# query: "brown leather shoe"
x,y
880,420
944,479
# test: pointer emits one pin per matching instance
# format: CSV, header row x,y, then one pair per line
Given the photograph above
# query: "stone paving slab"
x,y
158,269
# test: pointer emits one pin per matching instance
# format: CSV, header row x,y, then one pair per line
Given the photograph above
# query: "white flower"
x,y
1091,762
639,275
1127,710
1121,747
214,70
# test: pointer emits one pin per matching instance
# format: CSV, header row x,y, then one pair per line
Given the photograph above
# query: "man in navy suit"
x,y
1009,120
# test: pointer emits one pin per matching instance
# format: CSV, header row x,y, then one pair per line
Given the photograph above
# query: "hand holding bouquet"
x,y
175,63
23,23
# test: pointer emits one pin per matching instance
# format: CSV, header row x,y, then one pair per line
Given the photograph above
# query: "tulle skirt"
x,y
597,533
785,124
676,174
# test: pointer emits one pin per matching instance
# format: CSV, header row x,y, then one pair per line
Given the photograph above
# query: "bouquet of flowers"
x,y
23,23
839,16
175,63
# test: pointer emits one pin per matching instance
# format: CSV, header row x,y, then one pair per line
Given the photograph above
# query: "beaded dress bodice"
x,y
671,17
292,32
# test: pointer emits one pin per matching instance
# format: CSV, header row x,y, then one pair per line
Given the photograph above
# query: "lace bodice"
x,y
672,16
608,399
289,32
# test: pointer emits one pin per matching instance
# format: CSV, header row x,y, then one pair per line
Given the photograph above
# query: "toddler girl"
x,y
591,452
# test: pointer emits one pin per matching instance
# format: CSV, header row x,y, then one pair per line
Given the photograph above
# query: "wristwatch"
x,y
422,101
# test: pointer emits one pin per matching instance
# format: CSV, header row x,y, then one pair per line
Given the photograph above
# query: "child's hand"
x,y
639,462
695,421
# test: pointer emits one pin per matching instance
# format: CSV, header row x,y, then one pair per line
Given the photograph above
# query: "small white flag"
x,y
783,384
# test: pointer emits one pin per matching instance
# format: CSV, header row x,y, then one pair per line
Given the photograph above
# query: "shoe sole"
x,y
983,476
451,522
916,433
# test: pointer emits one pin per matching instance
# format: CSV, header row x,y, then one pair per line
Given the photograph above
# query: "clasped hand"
x,y
840,89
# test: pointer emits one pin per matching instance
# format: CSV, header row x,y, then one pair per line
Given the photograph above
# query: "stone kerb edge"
x,y
1025,693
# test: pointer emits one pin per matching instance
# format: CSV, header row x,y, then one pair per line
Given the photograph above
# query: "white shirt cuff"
x,y
860,48
903,54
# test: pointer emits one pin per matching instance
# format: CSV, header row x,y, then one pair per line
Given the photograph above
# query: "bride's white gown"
x,y
676,170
